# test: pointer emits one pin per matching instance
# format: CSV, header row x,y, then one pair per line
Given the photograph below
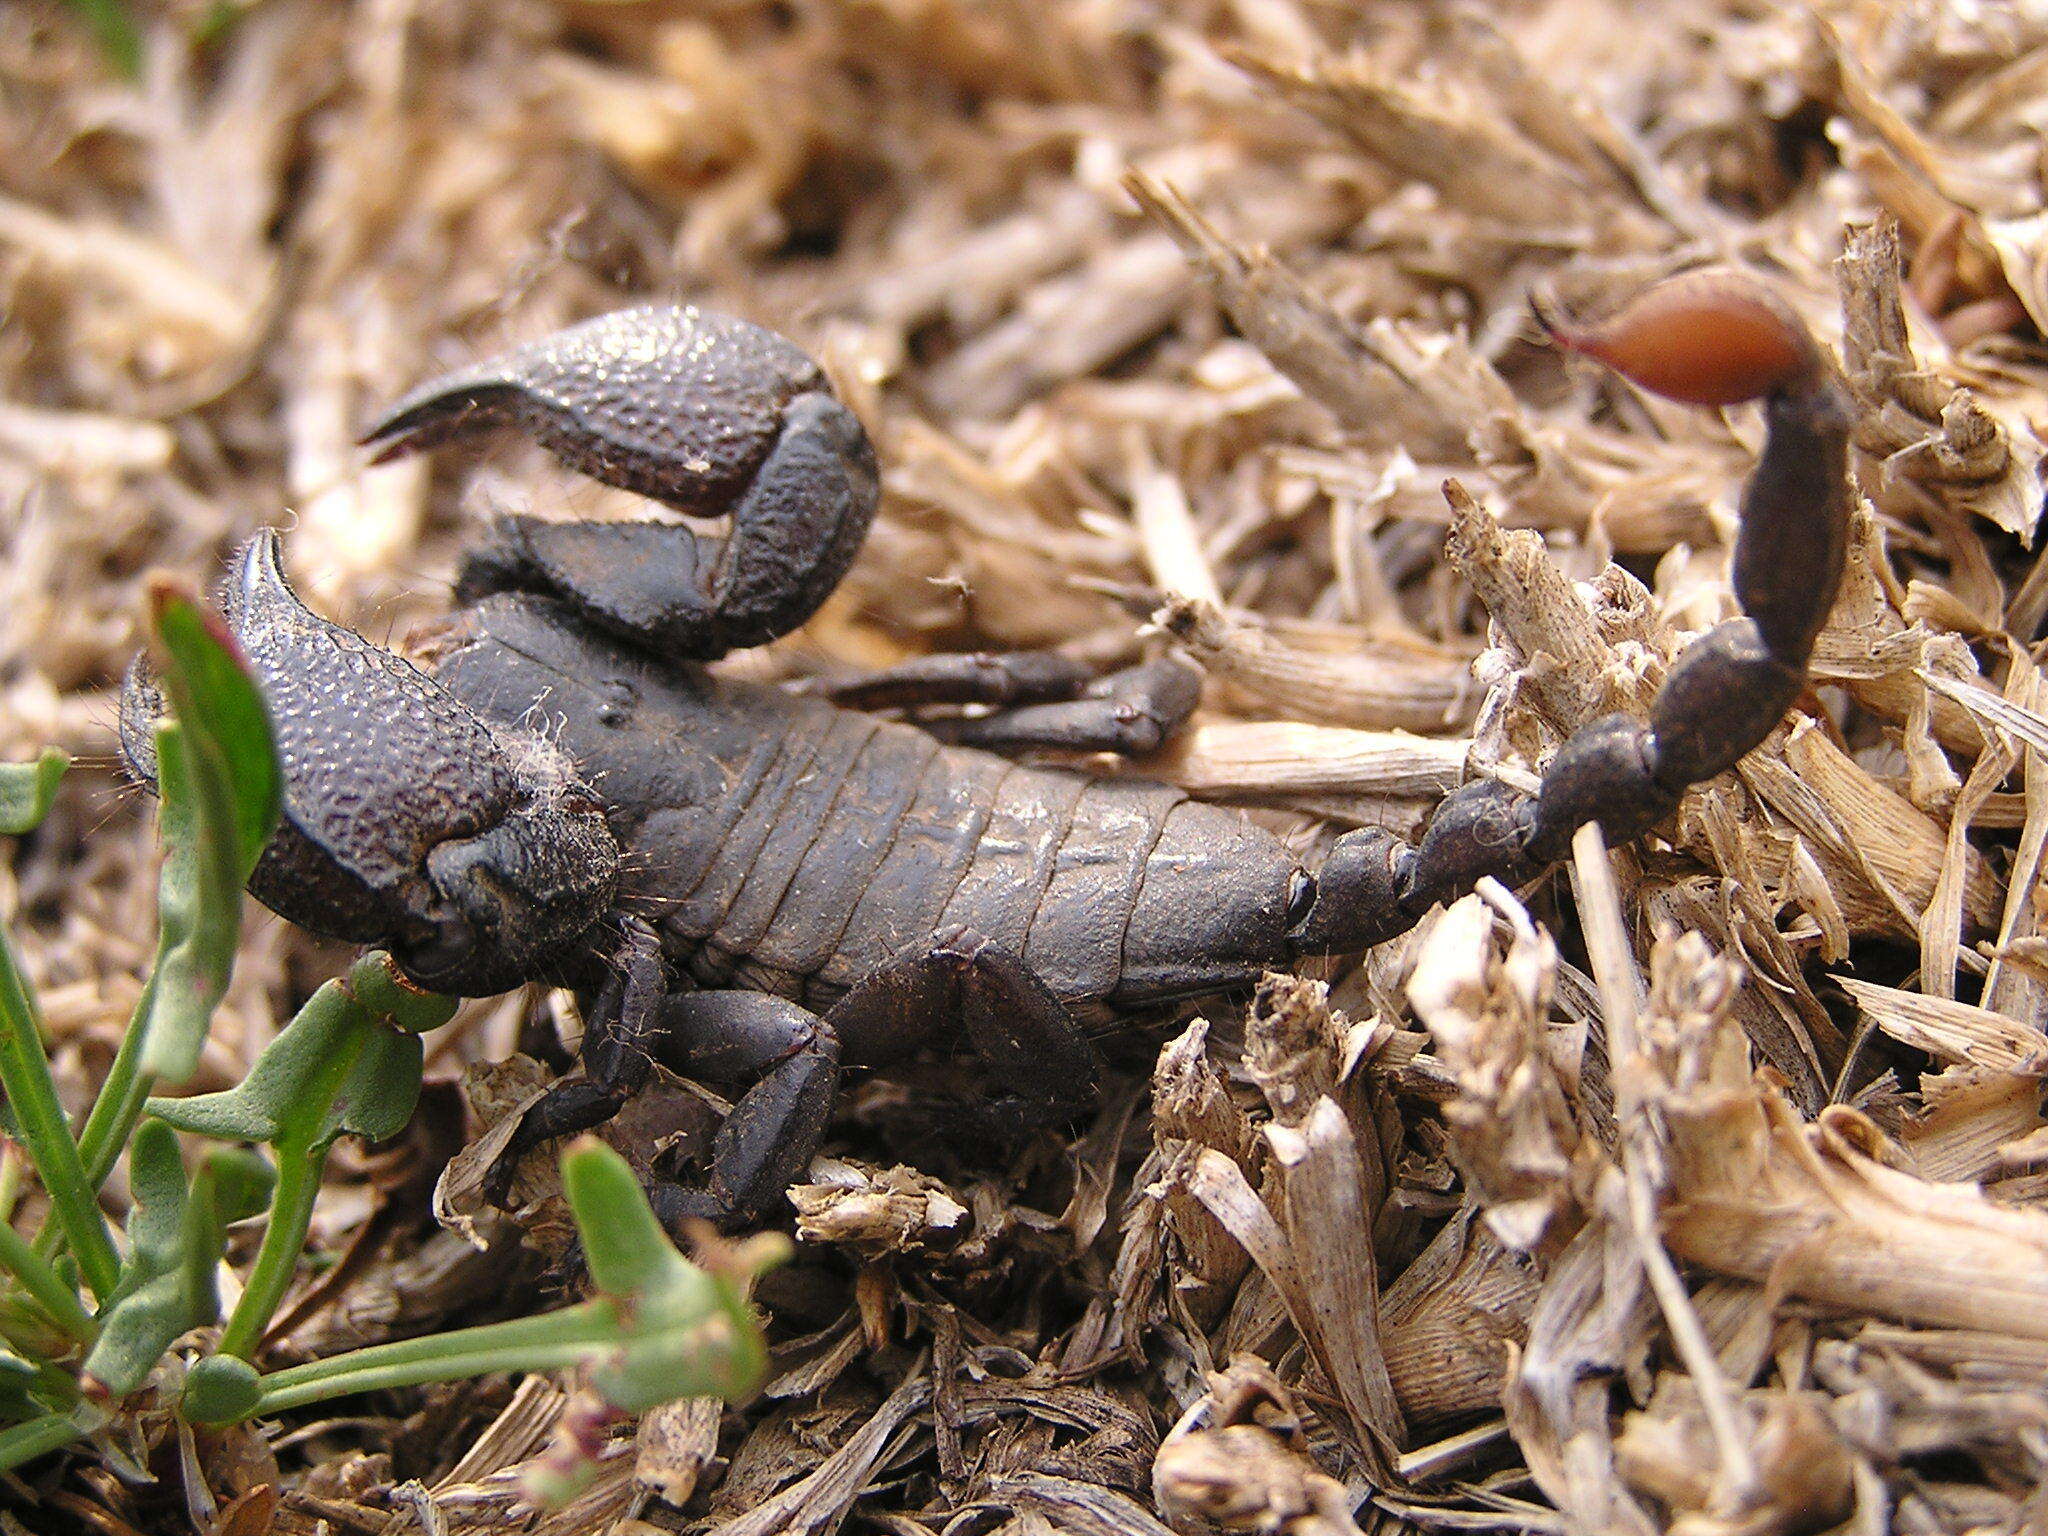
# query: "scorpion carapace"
x,y
752,885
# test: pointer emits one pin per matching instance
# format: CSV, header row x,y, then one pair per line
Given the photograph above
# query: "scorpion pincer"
x,y
757,887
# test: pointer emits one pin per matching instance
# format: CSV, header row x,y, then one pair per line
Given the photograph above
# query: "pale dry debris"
x,y
1951,1031
1806,1473
1233,1462
1192,1109
1813,1211
1975,1124
210,281
1512,1125
879,1211
1923,429
1367,391
1324,673
675,1445
1365,778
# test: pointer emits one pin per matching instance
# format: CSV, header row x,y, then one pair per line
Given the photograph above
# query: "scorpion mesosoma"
x,y
755,886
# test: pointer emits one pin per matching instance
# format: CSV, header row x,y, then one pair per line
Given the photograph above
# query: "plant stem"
x,y
43,1283
115,1109
10,1177
31,1438
121,1096
584,1322
25,1073
291,1213
549,1342
300,1149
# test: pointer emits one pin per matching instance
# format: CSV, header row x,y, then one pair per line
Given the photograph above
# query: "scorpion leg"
x,y
619,1031
1708,339
1132,711
1001,678
1023,1033
1046,699
789,1055
706,414
767,1141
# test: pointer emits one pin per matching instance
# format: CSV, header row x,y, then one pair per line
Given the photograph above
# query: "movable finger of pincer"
x,y
675,403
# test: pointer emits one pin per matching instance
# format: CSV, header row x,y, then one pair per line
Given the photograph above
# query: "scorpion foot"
x,y
1042,699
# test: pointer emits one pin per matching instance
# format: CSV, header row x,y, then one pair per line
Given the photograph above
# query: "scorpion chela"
x,y
759,887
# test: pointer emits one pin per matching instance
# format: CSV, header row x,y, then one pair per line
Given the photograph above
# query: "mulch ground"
x,y
1696,1187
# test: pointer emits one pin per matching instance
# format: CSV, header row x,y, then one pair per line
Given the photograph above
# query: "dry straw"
x,y
1697,1188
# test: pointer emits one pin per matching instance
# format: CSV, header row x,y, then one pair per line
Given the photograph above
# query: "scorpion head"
x,y
479,862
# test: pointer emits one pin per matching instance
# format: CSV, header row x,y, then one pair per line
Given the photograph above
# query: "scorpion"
x,y
763,888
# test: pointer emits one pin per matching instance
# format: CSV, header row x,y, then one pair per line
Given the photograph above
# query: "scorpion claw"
x,y
703,413
672,403
406,822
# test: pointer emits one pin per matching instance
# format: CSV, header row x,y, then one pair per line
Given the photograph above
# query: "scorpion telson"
x,y
754,886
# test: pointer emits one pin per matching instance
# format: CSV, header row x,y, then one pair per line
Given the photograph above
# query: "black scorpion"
x,y
755,886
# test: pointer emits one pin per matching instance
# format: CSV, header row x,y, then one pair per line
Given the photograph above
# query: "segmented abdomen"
x,y
786,844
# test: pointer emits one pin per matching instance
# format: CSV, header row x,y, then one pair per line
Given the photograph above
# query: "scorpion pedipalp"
x,y
407,822
704,413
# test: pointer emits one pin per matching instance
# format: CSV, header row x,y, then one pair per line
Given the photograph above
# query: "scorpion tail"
x,y
1708,338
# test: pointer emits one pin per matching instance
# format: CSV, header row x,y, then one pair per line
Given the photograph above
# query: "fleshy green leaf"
x,y
208,684
26,790
156,1175
683,1331
24,1442
628,1252
278,1088
221,1389
218,777
395,1002
343,1064
661,1327
149,1308
44,1319
378,1098
232,1184
45,1131
17,1381
176,1236
198,905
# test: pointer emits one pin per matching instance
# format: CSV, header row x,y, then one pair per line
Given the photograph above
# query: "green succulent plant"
x,y
91,1321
